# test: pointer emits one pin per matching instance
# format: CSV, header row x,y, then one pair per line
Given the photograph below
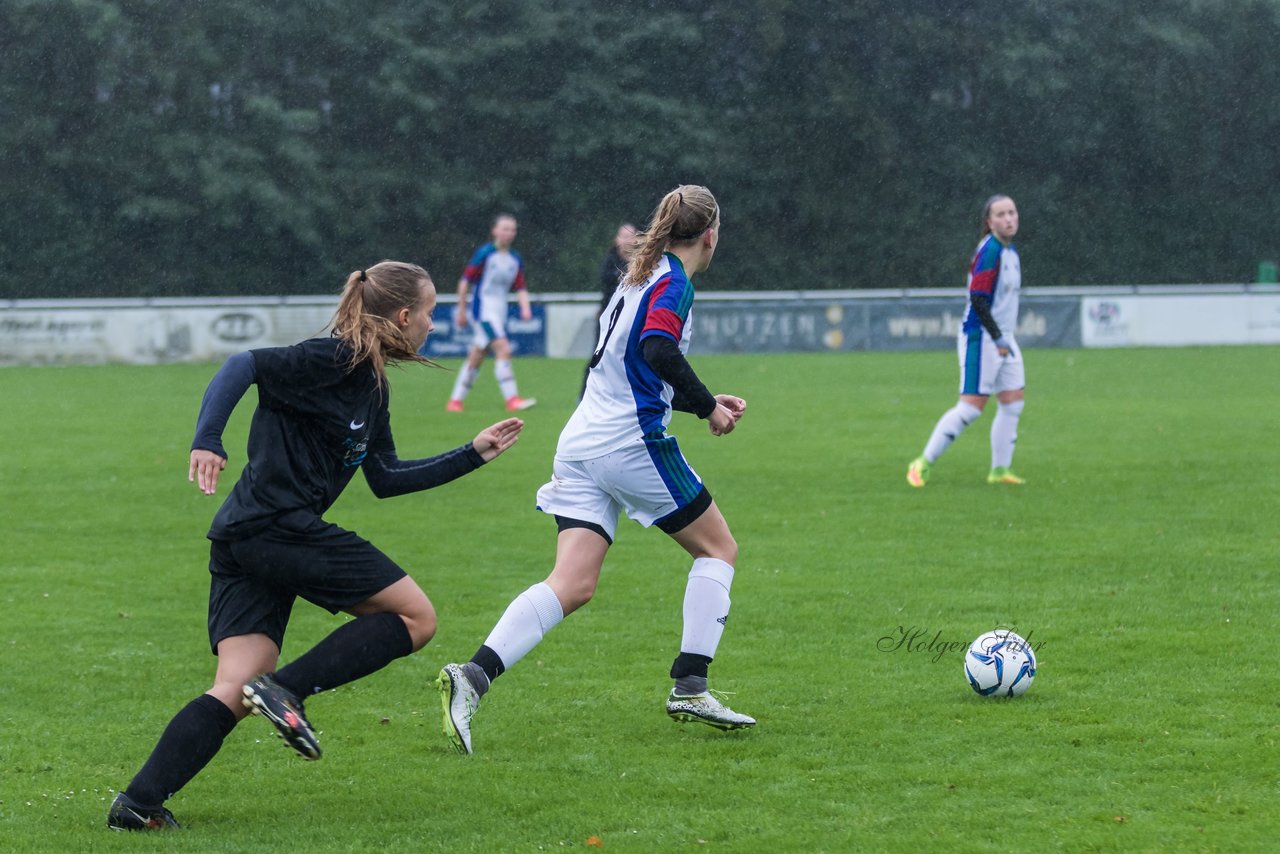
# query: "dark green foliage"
x,y
168,148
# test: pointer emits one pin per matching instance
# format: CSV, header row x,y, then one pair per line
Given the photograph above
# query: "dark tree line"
x,y
170,147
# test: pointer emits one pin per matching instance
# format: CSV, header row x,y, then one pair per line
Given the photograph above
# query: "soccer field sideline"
x,y
1142,549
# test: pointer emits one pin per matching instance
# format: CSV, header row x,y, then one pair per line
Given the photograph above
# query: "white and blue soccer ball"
x,y
1000,664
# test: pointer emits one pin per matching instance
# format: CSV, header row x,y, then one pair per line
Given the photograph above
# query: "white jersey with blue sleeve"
x,y
996,272
625,401
493,274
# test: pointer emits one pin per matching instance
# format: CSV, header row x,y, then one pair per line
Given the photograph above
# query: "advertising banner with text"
x,y
874,324
448,340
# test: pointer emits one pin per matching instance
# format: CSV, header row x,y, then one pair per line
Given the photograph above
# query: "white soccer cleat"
x,y
706,709
460,701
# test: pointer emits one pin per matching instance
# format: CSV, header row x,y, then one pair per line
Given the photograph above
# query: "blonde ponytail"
x,y
365,317
681,217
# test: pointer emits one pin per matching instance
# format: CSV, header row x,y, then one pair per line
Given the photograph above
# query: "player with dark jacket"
x,y
612,269
322,414
614,265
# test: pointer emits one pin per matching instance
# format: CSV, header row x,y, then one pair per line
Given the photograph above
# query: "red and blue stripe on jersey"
x,y
475,267
664,312
669,304
984,277
474,272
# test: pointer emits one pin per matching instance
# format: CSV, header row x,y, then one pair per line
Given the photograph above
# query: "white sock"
x,y
525,622
1004,433
462,385
706,606
506,378
949,427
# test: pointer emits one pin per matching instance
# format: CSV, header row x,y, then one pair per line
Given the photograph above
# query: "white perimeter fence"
x,y
149,331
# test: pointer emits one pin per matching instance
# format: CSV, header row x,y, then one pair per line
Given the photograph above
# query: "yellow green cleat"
x,y
918,472
1000,474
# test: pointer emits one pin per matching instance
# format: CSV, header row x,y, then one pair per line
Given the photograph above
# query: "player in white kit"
x,y
614,455
990,360
495,270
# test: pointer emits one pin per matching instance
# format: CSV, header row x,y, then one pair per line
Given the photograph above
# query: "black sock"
x,y
690,664
690,672
488,661
351,651
190,740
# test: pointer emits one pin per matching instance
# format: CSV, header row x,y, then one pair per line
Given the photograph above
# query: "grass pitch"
x,y
1140,558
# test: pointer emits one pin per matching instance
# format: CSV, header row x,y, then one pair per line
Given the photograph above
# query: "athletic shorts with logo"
x,y
983,370
650,480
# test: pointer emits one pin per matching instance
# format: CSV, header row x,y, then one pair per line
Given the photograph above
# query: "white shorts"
x,y
486,328
650,480
983,370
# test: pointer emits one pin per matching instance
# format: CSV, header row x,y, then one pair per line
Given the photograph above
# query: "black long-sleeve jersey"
x,y
317,421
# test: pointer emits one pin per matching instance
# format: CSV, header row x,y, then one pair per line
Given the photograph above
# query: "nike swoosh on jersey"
x,y
354,426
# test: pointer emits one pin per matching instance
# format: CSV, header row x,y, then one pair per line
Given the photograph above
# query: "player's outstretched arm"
x,y
496,438
389,476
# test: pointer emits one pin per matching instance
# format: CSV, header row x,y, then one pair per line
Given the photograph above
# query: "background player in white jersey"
x,y
495,270
990,361
615,455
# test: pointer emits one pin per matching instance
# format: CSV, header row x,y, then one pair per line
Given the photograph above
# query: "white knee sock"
x,y
525,622
949,427
1004,433
462,385
706,606
506,378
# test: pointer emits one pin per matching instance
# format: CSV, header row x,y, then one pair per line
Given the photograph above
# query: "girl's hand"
x,y
206,465
736,405
496,438
722,420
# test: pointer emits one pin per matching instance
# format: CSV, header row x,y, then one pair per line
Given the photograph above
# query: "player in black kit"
x,y
322,413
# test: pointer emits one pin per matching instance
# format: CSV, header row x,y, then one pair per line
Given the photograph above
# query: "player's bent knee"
x,y
728,551
581,594
574,595
230,694
421,625
720,549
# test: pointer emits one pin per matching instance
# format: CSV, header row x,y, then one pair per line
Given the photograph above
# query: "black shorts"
x,y
255,580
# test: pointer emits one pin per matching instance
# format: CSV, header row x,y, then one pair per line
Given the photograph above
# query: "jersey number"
x,y
608,333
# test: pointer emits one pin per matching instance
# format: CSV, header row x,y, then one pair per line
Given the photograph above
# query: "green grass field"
x,y
1141,557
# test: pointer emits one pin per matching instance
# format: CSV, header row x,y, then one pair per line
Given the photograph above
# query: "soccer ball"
x,y
1000,664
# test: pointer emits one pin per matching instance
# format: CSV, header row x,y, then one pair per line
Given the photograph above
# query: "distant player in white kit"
x,y
614,455
495,270
990,360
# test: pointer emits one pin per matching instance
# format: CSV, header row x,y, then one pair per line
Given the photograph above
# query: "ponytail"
x,y
365,315
682,216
